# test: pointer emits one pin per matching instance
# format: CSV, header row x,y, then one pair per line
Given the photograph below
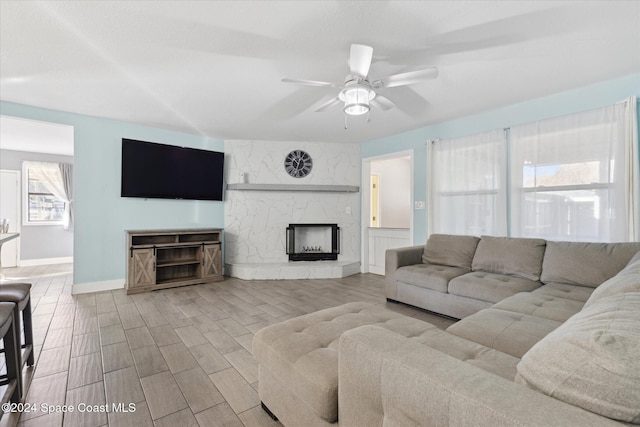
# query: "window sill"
x,y
41,223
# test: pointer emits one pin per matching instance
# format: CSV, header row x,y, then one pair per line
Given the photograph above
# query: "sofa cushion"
x,y
592,360
449,249
563,290
429,276
475,354
628,280
505,255
585,264
478,355
540,305
489,287
506,331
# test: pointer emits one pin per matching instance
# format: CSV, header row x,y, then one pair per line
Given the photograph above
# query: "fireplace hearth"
x,y
313,242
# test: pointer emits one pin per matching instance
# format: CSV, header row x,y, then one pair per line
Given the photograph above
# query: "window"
x,y
567,178
469,184
42,206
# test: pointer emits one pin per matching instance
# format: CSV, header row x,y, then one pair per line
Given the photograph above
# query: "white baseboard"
x,y
376,269
44,261
107,285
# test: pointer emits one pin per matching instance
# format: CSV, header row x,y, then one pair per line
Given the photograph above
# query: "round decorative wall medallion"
x,y
298,164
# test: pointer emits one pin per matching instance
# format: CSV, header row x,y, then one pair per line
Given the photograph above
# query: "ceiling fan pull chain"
x,y
345,121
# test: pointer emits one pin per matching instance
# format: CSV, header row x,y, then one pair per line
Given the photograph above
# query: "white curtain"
x,y
66,174
632,171
58,178
468,185
568,177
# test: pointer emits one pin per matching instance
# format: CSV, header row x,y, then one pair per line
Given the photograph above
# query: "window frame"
x,y
26,221
497,140
606,186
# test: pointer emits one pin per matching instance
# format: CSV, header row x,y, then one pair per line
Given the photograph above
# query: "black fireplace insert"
x,y
313,242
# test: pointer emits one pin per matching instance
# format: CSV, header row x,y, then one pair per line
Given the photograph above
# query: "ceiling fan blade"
x,y
382,102
408,78
326,105
308,82
496,33
409,101
360,60
301,100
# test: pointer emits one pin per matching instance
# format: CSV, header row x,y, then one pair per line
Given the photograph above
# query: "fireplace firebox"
x,y
313,242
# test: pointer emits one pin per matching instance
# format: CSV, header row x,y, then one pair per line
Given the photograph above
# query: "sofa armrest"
x,y
385,376
396,258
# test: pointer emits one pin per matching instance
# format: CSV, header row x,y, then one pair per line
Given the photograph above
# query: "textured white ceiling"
x,y
214,67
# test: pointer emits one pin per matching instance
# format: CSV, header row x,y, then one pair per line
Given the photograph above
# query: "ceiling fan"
x,y
358,92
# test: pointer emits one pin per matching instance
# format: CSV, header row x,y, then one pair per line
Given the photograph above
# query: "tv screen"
x,y
151,170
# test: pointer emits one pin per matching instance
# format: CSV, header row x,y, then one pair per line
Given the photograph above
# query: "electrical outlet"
x,y
419,205
348,210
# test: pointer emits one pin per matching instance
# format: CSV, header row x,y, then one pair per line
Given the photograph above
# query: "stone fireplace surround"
x,y
259,210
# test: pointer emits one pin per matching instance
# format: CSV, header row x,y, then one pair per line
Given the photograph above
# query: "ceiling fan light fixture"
x,y
356,109
356,99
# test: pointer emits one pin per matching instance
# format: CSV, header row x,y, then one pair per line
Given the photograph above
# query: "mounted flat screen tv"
x,y
160,171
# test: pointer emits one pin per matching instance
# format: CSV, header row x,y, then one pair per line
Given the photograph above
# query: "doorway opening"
x,y
387,213
28,203
391,192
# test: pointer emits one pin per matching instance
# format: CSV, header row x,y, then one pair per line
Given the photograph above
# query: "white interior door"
x,y
10,209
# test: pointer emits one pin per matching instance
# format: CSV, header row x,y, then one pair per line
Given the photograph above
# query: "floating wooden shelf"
x,y
295,187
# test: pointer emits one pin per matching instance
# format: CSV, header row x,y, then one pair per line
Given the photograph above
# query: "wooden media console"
x,y
159,259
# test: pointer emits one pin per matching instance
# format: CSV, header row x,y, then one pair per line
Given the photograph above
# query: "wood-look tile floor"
x,y
180,357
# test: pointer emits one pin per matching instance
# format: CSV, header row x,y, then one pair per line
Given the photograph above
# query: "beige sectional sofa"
x,y
461,275
559,346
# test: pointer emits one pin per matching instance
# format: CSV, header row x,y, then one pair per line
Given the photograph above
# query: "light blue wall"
x,y
102,215
582,99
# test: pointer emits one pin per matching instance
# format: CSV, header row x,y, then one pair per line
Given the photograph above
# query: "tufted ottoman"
x,y
298,359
